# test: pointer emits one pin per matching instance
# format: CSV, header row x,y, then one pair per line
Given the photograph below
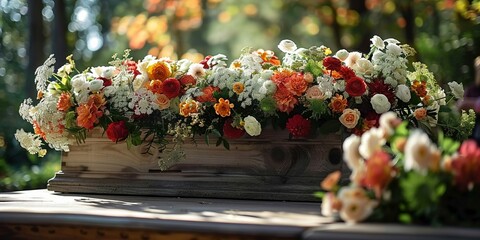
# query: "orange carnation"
x,y
159,71
285,100
38,130
64,102
338,103
296,84
207,95
223,107
89,113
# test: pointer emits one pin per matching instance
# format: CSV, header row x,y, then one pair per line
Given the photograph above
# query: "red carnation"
x,y
204,62
132,67
171,87
298,126
117,131
377,86
347,72
355,86
232,132
332,63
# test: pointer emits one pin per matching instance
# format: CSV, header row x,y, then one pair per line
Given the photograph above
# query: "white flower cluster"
x,y
43,73
389,60
143,102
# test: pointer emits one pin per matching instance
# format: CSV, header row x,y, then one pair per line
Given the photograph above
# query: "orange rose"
x,y
338,103
64,102
163,101
155,86
223,107
188,107
420,114
349,118
159,71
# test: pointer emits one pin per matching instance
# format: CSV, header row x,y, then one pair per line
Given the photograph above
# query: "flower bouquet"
x,y
403,175
157,101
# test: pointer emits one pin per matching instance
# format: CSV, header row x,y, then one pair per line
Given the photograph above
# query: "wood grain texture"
x,y
269,167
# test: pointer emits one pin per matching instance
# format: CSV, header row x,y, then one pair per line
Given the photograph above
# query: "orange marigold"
x,y
420,88
223,107
88,115
338,103
64,102
188,107
98,100
159,71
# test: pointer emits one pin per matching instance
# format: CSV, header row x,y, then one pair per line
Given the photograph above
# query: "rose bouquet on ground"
x,y
403,175
160,100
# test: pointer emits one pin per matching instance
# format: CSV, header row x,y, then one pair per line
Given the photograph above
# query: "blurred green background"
x,y
446,34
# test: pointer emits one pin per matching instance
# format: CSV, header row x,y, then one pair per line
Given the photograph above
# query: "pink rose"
x,y
315,93
163,101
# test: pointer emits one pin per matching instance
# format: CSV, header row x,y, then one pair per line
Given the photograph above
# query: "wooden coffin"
x,y
269,167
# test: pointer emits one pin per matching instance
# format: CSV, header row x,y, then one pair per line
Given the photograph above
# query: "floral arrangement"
x,y
403,175
161,101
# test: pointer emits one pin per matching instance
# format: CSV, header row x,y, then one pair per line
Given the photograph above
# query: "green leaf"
x,y
226,145
319,194
219,141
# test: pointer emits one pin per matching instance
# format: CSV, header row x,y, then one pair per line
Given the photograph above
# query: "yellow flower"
x,y
238,87
159,71
223,107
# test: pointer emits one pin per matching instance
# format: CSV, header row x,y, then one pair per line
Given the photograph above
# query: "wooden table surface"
x,y
40,214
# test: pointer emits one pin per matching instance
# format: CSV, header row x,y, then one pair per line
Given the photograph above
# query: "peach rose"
x,y
163,101
350,117
315,93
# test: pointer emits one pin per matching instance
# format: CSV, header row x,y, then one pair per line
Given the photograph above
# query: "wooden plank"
x,y
389,231
270,167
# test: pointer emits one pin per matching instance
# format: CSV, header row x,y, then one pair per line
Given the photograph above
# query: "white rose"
x,y
352,58
79,83
380,103
351,155
252,126
268,87
105,72
183,65
287,46
388,121
377,42
403,93
363,66
342,54
370,142
420,153
356,206
457,89
95,85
